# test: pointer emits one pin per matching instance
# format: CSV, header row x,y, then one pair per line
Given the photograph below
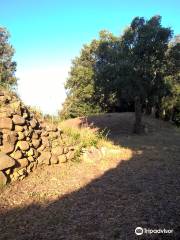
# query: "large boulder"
x,y
7,147
18,120
9,137
6,161
6,123
6,112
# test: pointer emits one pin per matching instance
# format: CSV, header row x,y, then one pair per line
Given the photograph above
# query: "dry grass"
x,y
103,199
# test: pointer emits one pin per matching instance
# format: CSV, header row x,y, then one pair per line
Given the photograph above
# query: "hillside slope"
x,y
104,199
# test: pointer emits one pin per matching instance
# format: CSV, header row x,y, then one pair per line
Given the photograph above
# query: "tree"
x,y
80,88
139,67
171,102
82,96
7,65
144,45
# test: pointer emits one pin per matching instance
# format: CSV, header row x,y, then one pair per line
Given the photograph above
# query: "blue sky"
x,y
48,34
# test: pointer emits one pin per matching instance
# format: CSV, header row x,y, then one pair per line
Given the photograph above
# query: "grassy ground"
x,y
104,199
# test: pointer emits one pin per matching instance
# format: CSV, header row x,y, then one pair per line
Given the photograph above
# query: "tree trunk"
x,y
138,128
148,109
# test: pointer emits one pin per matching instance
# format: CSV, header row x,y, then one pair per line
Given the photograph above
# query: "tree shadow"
x,y
137,193
140,192
118,128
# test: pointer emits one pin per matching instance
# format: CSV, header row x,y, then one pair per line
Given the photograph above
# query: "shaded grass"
x,y
84,138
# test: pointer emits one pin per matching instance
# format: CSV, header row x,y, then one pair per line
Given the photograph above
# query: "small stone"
x,y
3,179
21,177
29,132
54,159
57,150
44,158
17,154
55,143
35,136
18,120
41,148
15,176
30,152
21,136
44,134
21,163
66,150
8,171
51,128
33,123
31,159
38,131
36,153
54,135
30,167
25,127
62,159
25,115
22,173
23,145
6,161
19,128
43,124
6,123
70,155
45,141
36,143
16,106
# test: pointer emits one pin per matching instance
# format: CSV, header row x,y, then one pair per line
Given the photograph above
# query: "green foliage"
x,y
83,138
141,67
7,65
80,87
82,97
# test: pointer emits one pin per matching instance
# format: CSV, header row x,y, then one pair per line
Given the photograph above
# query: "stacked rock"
x,y
25,141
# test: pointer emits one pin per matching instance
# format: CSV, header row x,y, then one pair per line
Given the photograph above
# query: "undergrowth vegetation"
x,y
84,138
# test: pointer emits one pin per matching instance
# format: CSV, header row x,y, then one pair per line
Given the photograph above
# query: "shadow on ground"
x,y
143,191
118,127
137,193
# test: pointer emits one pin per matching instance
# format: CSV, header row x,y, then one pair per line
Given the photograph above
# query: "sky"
x,y
48,34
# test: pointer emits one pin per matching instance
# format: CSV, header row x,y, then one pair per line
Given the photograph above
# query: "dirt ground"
x,y
104,200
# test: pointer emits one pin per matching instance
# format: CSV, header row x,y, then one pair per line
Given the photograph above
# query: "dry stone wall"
x,y
25,141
